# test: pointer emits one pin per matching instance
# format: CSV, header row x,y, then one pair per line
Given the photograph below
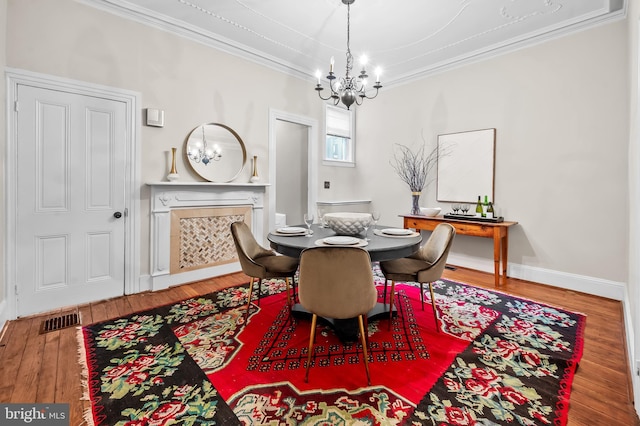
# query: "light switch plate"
x,y
155,117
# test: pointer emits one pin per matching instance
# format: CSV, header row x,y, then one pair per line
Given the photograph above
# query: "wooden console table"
x,y
498,231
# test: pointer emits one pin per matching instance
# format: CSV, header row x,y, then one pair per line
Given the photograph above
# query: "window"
x,y
340,141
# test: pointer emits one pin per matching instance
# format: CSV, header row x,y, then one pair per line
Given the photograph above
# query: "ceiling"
x,y
407,39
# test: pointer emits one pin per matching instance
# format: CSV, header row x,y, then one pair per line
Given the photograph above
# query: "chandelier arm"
x,y
364,95
319,90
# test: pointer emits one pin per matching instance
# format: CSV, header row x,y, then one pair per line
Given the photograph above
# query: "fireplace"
x,y
201,237
190,229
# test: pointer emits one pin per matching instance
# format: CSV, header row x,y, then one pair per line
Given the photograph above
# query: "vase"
x,y
415,203
173,173
254,174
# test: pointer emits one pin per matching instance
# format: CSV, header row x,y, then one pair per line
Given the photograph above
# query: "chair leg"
x,y
312,338
286,279
259,290
289,299
294,287
249,299
366,328
422,294
364,349
433,304
384,293
391,295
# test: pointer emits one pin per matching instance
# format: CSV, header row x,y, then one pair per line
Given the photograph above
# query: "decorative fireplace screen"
x,y
201,237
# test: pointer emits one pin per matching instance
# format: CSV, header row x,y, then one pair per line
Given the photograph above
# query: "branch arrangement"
x,y
414,167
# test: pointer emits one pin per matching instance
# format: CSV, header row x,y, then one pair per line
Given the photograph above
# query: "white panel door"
x,y
70,191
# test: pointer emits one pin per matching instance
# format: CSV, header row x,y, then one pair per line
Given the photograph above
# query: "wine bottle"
x,y
490,211
479,208
485,206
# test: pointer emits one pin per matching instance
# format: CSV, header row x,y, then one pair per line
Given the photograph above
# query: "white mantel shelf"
x,y
212,184
166,196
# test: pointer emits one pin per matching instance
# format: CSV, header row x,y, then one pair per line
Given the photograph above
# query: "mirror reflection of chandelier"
x,y
348,89
200,151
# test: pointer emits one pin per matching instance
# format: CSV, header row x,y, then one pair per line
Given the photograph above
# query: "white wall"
x,y
561,113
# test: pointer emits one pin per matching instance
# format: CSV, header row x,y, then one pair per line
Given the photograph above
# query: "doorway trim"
x,y
16,77
312,158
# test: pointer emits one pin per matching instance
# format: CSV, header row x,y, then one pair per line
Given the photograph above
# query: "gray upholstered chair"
x,y
260,263
337,283
424,266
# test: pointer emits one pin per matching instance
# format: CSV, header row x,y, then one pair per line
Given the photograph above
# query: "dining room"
x,y
565,148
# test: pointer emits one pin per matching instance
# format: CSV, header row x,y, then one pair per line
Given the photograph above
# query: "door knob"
x,y
117,215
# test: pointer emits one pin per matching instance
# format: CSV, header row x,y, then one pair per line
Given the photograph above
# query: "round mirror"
x,y
216,152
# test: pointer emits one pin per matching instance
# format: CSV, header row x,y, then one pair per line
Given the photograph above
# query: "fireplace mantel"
x,y
166,196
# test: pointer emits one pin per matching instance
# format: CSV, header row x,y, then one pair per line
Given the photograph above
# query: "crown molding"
x,y
617,11
146,17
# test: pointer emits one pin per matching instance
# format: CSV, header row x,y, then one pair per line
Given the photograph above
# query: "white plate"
x,y
291,230
397,231
343,241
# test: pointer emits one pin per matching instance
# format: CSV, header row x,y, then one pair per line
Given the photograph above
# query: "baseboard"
x,y
145,283
582,283
634,364
4,317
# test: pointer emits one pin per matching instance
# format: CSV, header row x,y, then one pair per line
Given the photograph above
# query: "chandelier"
x,y
348,89
201,152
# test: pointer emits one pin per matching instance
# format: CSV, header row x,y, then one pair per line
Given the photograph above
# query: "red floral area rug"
x,y
495,359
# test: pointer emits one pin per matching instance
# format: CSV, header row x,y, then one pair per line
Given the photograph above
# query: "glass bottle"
x,y
479,208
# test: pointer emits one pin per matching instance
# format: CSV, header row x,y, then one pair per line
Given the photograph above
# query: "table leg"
x,y
505,251
496,255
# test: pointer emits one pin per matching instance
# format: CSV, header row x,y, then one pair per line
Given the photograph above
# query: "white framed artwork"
x,y
466,166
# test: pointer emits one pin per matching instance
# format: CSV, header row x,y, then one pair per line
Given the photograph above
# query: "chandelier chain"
x,y
349,56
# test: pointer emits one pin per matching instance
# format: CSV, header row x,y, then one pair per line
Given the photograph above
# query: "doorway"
x,y
71,215
293,172
292,184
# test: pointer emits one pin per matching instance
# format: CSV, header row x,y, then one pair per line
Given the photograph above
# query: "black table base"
x,y
345,329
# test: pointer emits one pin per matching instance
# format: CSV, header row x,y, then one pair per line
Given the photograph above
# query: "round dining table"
x,y
380,247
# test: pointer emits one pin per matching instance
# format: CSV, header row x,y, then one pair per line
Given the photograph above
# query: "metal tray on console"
x,y
474,218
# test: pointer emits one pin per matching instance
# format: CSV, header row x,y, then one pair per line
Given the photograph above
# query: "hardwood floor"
x,y
44,367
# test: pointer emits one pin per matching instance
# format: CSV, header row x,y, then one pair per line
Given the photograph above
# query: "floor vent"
x,y
59,322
